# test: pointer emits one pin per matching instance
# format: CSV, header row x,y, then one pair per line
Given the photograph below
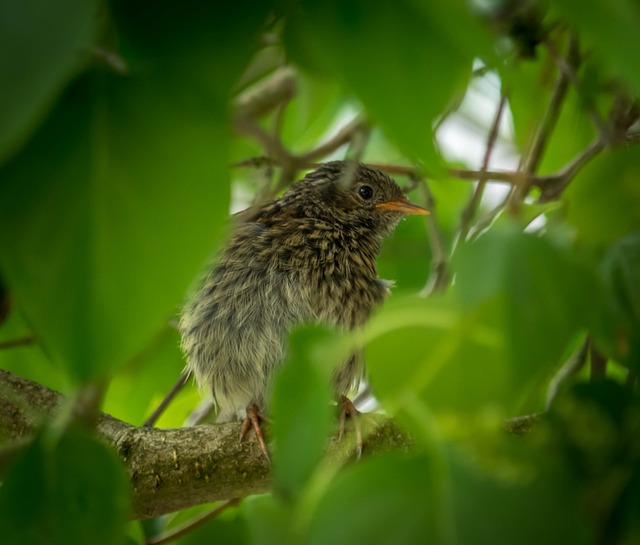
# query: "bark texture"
x,y
171,469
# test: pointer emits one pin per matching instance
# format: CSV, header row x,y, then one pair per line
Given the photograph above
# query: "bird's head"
x,y
356,194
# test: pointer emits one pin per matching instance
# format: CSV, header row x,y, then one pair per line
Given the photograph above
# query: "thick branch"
x,y
170,469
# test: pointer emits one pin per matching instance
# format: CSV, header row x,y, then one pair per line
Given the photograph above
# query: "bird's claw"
x,y
252,421
348,410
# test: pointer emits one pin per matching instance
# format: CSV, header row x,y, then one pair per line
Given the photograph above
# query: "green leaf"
x,y
108,214
429,350
609,27
405,256
621,276
229,527
544,294
388,53
529,503
66,490
139,387
301,410
387,499
604,199
269,520
41,45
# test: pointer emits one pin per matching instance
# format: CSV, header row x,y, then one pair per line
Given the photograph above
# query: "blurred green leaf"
x,y
429,349
608,27
604,199
528,84
139,387
269,521
312,113
41,45
387,54
389,499
110,211
544,294
301,410
70,489
228,528
405,256
621,276
528,506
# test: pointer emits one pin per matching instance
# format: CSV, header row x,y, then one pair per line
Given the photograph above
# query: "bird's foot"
x,y
252,421
348,410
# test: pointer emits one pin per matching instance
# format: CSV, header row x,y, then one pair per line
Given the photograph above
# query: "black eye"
x,y
365,192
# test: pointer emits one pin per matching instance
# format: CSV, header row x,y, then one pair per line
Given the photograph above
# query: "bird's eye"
x,y
365,191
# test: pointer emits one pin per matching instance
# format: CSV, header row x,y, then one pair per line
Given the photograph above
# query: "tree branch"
x,y
171,469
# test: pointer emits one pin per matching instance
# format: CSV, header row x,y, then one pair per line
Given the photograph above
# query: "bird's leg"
x,y
252,421
348,410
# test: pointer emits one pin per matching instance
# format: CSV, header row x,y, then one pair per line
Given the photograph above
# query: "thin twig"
x,y
569,70
553,186
568,370
531,161
190,525
342,137
551,115
22,341
469,212
278,89
439,277
175,390
598,369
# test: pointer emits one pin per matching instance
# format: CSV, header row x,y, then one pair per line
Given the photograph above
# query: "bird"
x,y
307,257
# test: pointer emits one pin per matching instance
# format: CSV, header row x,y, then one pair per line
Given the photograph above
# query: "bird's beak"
x,y
403,205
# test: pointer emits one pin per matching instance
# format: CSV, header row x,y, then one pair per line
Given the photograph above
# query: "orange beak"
x,y
403,205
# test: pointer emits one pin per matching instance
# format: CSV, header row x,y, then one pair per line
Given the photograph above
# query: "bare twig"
x,y
439,277
469,212
110,59
554,185
568,69
171,469
190,525
551,115
22,341
568,370
342,137
175,390
274,91
598,369
531,160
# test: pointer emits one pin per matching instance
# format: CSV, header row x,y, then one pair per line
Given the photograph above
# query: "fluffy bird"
x,y
306,257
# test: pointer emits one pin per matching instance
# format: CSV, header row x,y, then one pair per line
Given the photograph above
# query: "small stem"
x,y
598,363
568,370
22,341
469,212
189,526
342,137
439,276
553,186
568,69
175,390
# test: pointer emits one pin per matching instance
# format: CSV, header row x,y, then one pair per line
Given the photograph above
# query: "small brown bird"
x,y
307,257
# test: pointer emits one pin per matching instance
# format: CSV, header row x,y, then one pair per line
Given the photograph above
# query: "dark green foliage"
x,y
115,191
